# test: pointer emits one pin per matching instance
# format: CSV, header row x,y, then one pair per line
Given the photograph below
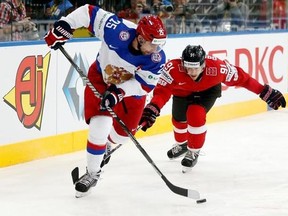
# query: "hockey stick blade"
x,y
178,190
193,194
75,175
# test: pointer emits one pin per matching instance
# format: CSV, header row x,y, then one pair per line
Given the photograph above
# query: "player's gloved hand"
x,y
149,115
272,97
58,35
111,97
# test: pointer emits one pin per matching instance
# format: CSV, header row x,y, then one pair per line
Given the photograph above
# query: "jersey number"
x,y
223,69
112,23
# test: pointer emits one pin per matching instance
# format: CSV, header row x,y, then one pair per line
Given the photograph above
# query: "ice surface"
x,y
243,172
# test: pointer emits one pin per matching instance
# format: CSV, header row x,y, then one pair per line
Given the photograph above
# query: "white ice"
x,y
243,172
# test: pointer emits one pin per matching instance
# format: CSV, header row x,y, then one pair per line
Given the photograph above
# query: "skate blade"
x,y
173,158
79,194
186,169
181,155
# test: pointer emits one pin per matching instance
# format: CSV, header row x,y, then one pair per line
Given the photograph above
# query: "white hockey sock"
x,y
93,162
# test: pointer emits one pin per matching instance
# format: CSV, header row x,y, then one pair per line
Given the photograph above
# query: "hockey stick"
x,y
106,156
194,194
75,171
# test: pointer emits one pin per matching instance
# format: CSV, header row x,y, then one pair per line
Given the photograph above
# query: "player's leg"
x,y
129,111
100,124
179,108
199,106
196,118
99,128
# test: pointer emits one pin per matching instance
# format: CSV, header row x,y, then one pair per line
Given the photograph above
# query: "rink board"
x,y
42,95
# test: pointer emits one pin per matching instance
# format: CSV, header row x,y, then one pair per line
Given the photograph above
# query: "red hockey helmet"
x,y
151,28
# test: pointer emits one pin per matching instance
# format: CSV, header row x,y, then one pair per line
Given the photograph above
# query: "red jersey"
x,y
175,81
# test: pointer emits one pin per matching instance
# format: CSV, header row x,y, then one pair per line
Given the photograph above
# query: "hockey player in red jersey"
x,y
194,81
127,67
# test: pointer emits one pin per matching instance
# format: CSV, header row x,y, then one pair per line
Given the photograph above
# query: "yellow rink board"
x,y
65,143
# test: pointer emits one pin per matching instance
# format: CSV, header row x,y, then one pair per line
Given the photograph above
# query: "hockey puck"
x,y
201,201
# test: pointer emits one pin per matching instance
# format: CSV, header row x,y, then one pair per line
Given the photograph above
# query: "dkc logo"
x,y
28,94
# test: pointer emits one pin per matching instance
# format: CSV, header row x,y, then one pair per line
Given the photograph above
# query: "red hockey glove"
x,y
272,97
58,35
149,115
111,97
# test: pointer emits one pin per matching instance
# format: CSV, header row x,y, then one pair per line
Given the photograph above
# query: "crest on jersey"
x,y
211,71
156,57
124,35
116,75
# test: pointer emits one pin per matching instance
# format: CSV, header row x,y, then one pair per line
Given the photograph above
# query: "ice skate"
x,y
85,183
107,152
177,150
189,161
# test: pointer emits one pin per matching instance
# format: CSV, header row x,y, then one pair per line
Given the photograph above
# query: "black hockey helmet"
x,y
193,56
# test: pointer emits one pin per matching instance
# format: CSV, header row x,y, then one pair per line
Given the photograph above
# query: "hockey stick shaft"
x,y
112,151
178,190
118,146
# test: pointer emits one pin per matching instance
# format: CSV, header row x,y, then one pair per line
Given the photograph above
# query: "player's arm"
x,y
91,17
236,76
161,95
165,85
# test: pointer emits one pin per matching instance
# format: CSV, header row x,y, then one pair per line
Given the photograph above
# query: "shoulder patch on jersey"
x,y
156,57
211,71
232,72
124,35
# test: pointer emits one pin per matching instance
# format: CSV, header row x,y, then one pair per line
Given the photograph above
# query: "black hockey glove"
x,y
149,115
58,35
272,97
111,97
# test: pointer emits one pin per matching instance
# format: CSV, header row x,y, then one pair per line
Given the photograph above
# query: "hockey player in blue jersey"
x,y
127,67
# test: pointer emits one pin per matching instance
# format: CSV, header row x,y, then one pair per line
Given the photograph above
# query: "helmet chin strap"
x,y
135,47
140,42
